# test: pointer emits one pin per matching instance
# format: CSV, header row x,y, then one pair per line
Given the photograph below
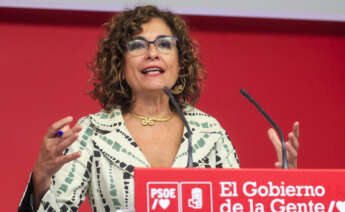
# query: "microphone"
x,y
189,132
275,126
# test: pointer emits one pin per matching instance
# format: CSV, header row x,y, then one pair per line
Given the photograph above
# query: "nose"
x,y
152,51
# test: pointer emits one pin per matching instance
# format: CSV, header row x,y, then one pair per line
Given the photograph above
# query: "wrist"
x,y
40,178
41,184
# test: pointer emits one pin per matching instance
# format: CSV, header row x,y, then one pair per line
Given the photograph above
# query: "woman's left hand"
x,y
292,146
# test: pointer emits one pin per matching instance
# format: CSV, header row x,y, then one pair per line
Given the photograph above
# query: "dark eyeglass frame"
x,y
154,42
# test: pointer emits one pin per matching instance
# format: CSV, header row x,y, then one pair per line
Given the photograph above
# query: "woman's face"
x,y
152,70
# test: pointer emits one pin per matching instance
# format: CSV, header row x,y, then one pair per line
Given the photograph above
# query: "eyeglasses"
x,y
139,46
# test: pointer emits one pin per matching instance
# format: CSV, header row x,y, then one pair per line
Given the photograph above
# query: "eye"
x,y
136,45
165,43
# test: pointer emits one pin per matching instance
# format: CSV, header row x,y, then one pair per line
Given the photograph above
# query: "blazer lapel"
x,y
113,140
204,137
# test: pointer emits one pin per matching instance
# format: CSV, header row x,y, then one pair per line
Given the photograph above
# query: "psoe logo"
x,y
162,196
196,200
196,196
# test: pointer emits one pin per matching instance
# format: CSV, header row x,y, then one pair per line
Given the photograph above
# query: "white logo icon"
x,y
341,206
164,203
196,200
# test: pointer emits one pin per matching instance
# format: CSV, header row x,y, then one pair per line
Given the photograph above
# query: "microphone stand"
x,y
189,132
275,126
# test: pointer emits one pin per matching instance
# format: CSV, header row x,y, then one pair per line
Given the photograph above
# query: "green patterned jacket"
x,y
104,171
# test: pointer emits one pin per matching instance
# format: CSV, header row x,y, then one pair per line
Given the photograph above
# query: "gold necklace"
x,y
150,121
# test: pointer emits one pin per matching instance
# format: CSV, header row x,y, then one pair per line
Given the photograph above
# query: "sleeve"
x,y
27,203
70,184
226,156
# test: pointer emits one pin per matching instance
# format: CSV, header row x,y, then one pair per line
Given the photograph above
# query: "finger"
x,y
61,133
274,138
293,140
295,129
278,165
291,152
275,141
61,143
291,156
65,128
66,143
65,132
67,158
69,131
55,127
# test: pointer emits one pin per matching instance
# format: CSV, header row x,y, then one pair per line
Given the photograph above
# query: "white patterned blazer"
x,y
105,169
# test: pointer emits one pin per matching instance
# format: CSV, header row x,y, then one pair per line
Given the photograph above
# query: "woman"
x,y
145,50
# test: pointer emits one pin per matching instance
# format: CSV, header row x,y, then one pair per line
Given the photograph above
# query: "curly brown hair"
x,y
108,85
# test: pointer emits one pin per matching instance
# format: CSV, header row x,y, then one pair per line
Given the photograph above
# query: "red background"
x,y
294,69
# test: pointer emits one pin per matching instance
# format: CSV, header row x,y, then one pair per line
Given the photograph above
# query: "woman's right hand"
x,y
51,157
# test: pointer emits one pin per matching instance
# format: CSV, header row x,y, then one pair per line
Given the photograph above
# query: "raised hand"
x,y
292,146
51,157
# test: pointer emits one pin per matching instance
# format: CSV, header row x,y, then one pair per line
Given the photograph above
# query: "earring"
x,y
180,87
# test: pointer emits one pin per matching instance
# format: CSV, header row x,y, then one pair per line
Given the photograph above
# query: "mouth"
x,y
152,71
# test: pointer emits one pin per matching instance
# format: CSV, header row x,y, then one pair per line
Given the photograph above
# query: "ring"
x,y
59,133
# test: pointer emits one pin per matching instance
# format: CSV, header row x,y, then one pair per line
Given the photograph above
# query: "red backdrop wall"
x,y
295,69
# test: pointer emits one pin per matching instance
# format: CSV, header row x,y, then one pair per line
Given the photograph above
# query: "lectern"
x,y
235,190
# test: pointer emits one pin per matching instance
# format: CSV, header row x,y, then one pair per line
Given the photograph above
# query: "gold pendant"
x,y
147,121
150,121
